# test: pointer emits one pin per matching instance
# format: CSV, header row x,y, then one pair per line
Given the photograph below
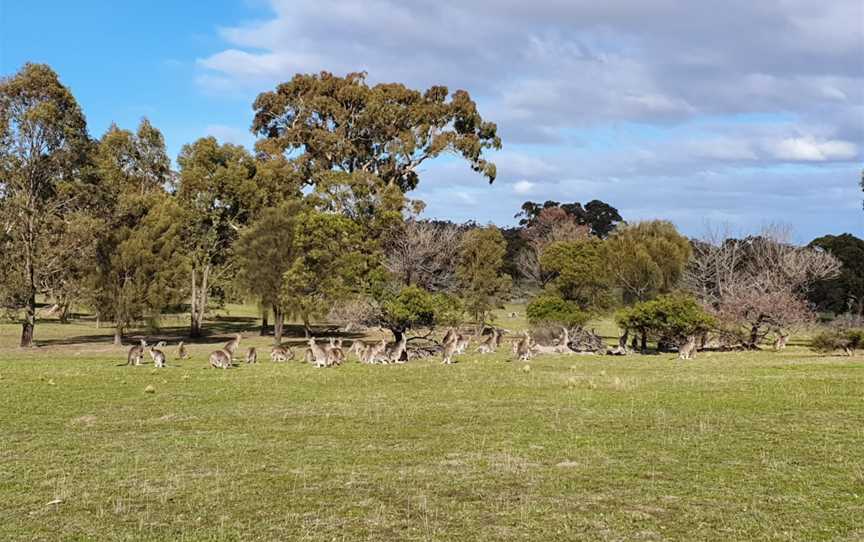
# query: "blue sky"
x,y
646,104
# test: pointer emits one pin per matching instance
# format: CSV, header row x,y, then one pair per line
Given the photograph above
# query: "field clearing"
x,y
731,446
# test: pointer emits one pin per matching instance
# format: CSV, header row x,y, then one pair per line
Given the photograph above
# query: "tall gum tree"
x,y
43,146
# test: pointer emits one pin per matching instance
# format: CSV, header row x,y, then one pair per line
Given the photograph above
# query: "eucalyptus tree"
x,y
140,263
217,190
482,282
43,151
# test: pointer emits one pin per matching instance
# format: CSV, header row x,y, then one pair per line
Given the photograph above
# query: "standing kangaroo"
x,y
232,345
136,353
157,356
450,348
251,355
688,349
320,357
394,354
181,351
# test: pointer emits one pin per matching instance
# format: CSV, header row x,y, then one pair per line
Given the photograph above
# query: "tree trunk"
x,y
63,315
29,323
307,331
264,314
644,341
622,340
199,301
118,335
278,324
397,334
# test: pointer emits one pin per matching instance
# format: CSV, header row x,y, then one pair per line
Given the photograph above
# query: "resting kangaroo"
x,y
220,359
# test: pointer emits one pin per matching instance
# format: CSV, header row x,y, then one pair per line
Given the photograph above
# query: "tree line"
x,y
318,222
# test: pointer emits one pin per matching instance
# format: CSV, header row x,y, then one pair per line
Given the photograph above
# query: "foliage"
x,y
647,258
579,272
758,284
669,317
483,284
549,309
264,253
413,307
845,292
847,340
327,265
43,150
600,217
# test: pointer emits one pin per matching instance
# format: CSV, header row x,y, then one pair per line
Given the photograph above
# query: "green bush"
x,y
671,317
847,340
550,309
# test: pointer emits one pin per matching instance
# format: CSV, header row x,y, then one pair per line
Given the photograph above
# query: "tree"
x,y
600,217
43,147
141,268
759,284
327,266
647,259
413,307
424,254
579,273
218,189
549,309
550,225
845,292
483,284
360,146
670,317
265,251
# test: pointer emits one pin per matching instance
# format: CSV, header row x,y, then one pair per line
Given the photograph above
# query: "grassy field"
x,y
732,446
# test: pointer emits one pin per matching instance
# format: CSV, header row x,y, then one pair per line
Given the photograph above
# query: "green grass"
x,y
732,446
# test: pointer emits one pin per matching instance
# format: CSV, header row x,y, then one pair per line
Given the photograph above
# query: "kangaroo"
x,y
780,341
281,353
181,351
488,345
522,347
136,353
157,356
450,349
462,342
319,355
335,353
357,349
375,352
220,359
251,355
688,349
394,354
232,345
564,346
448,335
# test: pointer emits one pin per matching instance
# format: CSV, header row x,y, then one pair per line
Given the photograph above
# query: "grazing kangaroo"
x,y
220,359
281,353
157,356
136,353
320,357
252,355
181,351
232,345
688,349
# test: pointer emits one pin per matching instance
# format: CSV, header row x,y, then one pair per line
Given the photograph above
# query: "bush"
x,y
847,340
670,317
552,310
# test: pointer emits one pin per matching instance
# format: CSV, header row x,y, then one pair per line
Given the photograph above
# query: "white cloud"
x,y
809,149
523,187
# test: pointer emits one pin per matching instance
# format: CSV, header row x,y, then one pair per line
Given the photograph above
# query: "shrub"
x,y
669,317
551,310
847,340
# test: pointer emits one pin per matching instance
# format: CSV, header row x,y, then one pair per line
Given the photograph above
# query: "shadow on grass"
x,y
217,331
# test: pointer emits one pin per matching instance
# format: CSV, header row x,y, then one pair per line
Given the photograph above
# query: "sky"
x,y
734,114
